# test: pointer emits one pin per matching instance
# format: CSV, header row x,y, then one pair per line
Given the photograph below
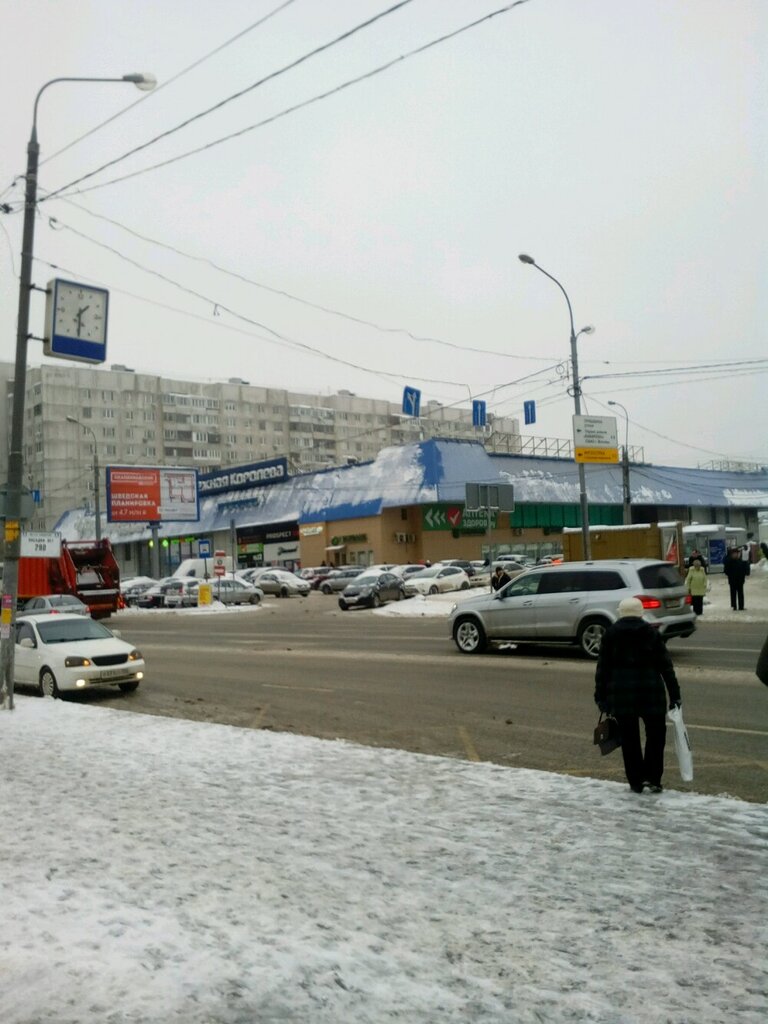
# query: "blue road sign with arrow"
x,y
478,413
411,401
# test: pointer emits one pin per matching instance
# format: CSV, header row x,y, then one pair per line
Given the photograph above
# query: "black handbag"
x,y
607,735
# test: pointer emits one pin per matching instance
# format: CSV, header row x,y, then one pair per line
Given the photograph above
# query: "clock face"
x,y
80,312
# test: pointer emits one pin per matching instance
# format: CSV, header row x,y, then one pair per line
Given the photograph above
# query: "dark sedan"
x,y
155,596
371,589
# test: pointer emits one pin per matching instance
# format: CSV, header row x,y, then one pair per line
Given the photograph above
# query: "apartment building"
x,y
131,418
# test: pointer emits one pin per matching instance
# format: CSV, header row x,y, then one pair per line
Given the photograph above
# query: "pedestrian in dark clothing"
x,y
632,669
500,578
694,555
761,669
737,570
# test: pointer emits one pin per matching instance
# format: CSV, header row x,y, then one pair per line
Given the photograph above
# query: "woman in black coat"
x,y
632,669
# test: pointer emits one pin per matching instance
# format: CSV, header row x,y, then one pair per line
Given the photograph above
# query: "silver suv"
x,y
574,603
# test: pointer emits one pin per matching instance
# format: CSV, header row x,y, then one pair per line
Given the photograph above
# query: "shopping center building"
x,y
408,505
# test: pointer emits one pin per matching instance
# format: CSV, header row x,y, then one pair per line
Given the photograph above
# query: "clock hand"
x,y
79,318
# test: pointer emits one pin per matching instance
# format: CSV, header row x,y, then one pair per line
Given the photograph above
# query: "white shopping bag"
x,y
682,744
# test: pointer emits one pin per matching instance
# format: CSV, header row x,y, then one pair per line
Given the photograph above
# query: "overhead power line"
x,y
296,298
170,81
275,117
277,337
237,95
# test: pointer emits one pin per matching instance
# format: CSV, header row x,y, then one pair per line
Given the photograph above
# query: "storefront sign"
x,y
456,517
238,478
352,538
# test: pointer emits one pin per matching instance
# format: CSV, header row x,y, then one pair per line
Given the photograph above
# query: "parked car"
x,y
462,563
55,604
437,580
338,580
73,652
282,583
235,591
509,565
574,603
154,597
404,571
313,574
251,575
184,595
371,589
132,590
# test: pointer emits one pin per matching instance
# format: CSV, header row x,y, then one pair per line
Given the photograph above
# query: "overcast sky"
x,y
620,142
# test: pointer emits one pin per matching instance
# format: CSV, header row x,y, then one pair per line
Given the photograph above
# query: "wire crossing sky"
x,y
379,226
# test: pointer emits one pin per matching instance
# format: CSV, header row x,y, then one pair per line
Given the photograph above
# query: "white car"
x,y
439,579
71,652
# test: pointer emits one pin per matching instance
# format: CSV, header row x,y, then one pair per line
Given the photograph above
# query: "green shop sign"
x,y
456,517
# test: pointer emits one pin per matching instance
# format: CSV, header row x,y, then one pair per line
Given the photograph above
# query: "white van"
x,y
201,568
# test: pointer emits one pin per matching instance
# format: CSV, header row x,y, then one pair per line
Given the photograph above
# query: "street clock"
x,y
76,321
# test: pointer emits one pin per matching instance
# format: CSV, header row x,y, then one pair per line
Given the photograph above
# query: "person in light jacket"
x,y
696,585
633,668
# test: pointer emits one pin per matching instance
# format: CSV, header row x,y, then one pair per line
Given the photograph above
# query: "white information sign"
x,y
595,432
40,545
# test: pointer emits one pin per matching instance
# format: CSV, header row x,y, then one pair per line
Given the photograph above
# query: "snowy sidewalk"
x,y
158,871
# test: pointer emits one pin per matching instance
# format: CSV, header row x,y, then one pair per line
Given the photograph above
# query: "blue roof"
x,y
437,471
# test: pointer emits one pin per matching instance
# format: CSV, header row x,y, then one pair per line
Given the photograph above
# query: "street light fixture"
x,y
576,388
627,495
96,498
12,532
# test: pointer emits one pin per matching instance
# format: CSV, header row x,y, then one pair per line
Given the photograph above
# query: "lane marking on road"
x,y
468,745
725,728
284,686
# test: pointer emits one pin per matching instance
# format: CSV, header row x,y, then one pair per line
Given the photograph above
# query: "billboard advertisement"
x,y
145,494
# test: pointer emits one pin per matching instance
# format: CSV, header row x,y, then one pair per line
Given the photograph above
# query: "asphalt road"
x,y
303,666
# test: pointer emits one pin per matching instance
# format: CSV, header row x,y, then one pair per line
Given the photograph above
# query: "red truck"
x,y
87,569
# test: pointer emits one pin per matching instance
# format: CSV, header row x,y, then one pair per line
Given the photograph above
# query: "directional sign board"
x,y
595,439
411,401
479,413
494,496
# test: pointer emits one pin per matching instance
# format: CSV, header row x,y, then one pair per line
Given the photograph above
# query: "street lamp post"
x,y
576,388
12,532
96,497
627,494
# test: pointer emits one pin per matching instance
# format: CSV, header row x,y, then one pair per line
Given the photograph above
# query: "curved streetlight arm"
x,y
141,81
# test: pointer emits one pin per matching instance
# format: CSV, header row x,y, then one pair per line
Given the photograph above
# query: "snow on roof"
x,y
437,471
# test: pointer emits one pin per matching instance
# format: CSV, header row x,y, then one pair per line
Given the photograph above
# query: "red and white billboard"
x,y
143,494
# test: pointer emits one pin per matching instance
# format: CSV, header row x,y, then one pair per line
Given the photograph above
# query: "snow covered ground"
x,y
159,871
